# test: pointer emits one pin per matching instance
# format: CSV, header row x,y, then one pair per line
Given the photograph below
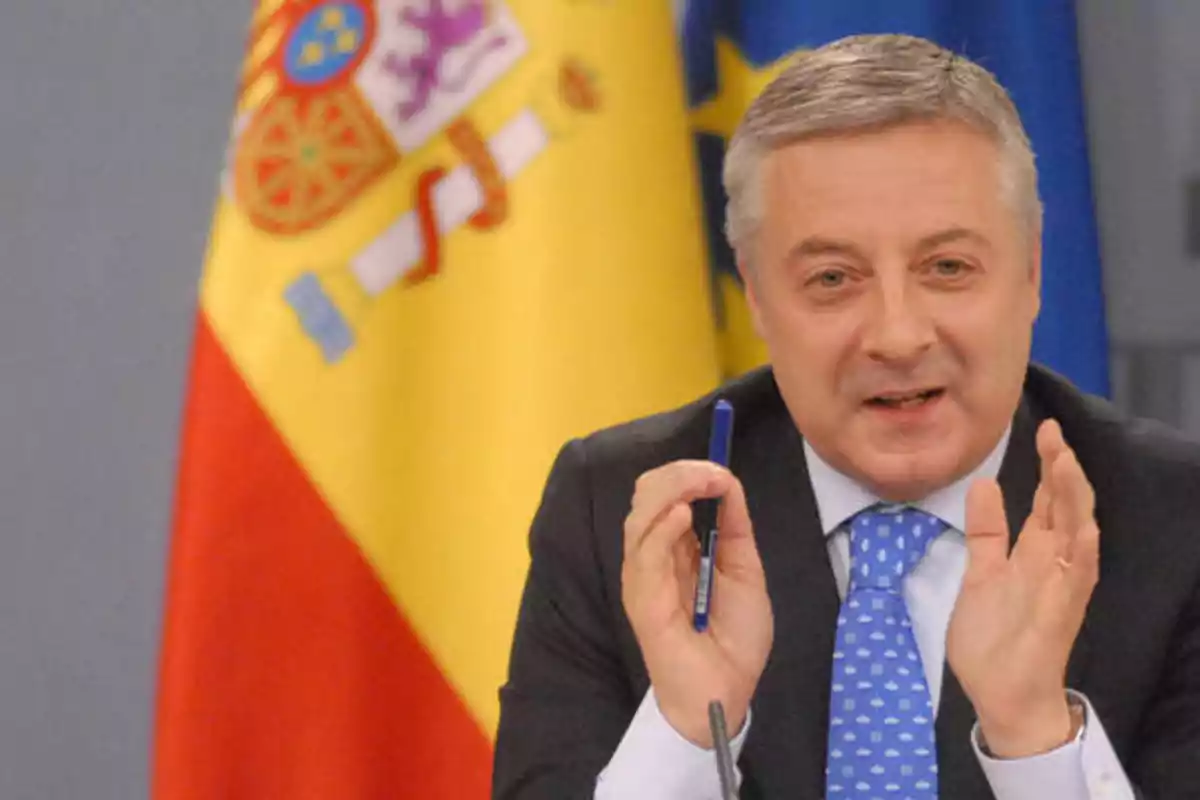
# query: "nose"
x,y
900,330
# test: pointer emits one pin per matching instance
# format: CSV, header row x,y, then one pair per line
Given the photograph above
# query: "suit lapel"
x,y
785,750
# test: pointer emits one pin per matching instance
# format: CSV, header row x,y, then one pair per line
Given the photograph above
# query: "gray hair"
x,y
872,81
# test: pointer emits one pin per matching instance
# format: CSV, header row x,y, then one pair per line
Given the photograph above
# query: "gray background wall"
x,y
1142,70
112,125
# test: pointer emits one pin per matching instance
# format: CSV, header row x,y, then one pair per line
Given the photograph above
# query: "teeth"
x,y
905,401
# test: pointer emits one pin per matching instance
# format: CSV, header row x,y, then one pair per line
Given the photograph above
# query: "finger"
x,y
1084,562
737,552
1083,552
1036,551
1049,444
1050,440
1040,515
654,554
987,531
733,516
660,489
686,557
1076,499
1078,577
1037,545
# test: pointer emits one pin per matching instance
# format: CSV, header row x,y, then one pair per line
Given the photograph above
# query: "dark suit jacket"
x,y
577,676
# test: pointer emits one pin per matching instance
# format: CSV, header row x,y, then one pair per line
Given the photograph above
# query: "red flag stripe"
x,y
287,671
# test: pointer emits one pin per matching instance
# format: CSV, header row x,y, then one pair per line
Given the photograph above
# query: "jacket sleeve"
x,y
566,702
1166,759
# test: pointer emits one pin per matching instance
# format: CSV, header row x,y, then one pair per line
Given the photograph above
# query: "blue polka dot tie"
x,y
881,727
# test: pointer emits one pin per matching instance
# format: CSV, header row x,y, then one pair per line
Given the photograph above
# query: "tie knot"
x,y
888,541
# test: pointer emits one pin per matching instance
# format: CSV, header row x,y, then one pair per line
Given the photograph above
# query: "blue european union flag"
x,y
1031,47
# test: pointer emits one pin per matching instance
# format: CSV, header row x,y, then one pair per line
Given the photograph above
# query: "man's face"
x,y
896,290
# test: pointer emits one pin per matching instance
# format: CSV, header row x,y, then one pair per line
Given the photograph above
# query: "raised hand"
x,y
1017,615
658,578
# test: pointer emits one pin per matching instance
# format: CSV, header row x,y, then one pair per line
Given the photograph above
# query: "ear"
x,y
1035,271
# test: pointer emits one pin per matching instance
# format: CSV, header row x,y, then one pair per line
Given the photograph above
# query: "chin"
x,y
904,480
906,475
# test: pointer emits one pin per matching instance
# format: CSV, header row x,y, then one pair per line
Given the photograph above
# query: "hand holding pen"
x,y
661,574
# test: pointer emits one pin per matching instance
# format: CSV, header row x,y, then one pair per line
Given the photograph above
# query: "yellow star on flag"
x,y
738,83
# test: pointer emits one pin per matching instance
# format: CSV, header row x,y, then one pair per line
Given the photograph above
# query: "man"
x,y
942,572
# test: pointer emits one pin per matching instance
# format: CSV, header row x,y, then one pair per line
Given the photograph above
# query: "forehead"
x,y
903,180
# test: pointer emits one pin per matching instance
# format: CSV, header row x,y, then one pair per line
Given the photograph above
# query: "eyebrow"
x,y
952,235
820,245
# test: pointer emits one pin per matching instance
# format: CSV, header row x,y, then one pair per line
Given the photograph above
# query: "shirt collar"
x,y
839,497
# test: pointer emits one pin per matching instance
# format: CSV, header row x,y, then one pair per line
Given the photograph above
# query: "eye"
x,y
828,279
950,267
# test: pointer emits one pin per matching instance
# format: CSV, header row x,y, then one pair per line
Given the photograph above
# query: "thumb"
x,y
987,531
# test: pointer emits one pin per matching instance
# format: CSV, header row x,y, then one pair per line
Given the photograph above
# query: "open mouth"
x,y
902,400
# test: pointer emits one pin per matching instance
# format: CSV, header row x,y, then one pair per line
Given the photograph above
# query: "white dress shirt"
x,y
655,762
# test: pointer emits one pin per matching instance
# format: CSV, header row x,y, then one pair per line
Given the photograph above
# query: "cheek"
x,y
988,334
966,328
988,307
815,346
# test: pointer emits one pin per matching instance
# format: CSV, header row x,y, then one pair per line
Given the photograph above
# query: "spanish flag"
x,y
449,236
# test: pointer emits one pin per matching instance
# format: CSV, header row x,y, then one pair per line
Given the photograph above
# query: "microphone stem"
x,y
716,724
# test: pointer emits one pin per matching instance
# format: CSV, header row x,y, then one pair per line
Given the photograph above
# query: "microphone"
x,y
716,726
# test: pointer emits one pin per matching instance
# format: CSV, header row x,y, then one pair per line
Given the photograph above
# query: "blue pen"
x,y
720,439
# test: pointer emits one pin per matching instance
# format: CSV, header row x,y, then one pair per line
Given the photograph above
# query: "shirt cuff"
x,y
1086,768
653,761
